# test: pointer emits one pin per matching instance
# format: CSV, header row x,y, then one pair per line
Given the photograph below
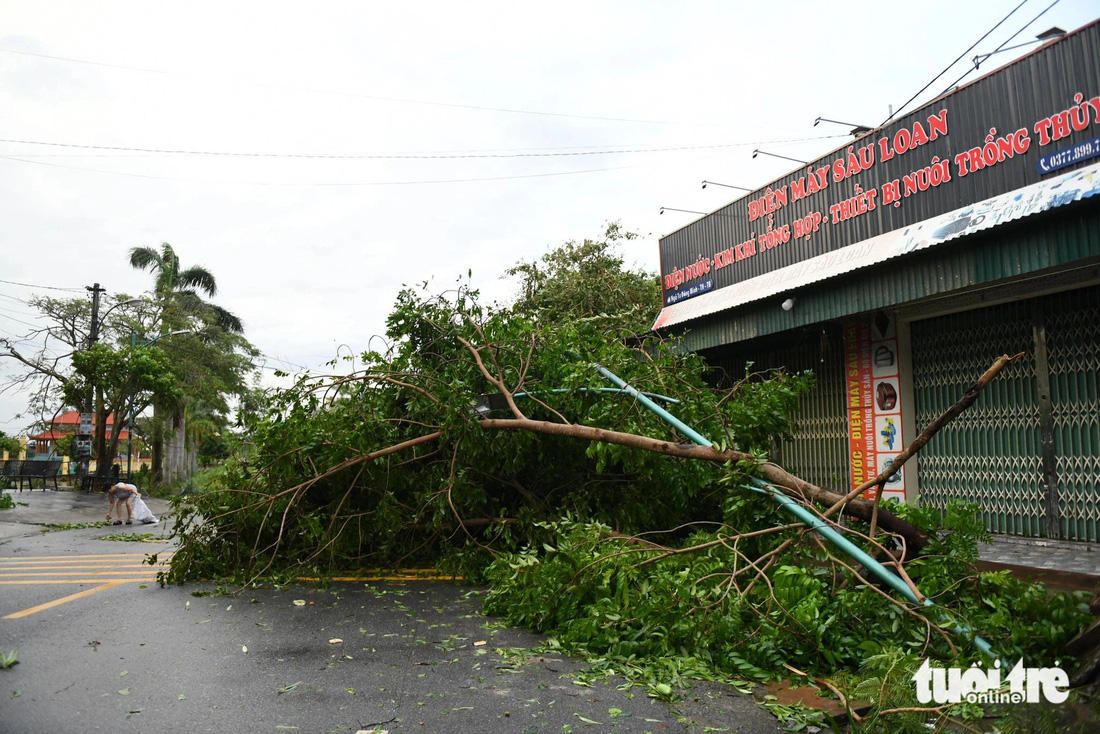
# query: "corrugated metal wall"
x,y
1033,245
818,452
1037,84
1073,325
992,454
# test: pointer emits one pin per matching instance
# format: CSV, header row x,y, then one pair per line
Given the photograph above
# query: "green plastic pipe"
x,y
812,520
669,418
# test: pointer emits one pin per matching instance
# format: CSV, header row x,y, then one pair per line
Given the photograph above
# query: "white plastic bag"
x,y
142,513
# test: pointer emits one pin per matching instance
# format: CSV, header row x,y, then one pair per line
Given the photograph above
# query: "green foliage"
x,y
112,370
276,503
9,659
6,502
9,444
395,465
214,448
128,537
624,602
55,526
587,280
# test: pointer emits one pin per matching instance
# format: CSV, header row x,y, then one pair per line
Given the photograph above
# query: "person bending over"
x,y
122,494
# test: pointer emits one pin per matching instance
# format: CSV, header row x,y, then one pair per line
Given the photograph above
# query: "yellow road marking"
x,y
115,556
47,567
100,570
64,600
6,575
14,582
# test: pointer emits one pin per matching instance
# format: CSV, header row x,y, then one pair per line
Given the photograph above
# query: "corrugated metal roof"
x,y
973,261
983,215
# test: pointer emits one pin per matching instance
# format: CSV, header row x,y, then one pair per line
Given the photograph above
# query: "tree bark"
x,y
783,480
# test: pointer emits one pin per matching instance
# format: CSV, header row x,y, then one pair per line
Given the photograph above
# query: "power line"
x,y
319,183
44,287
1003,44
401,100
948,67
18,321
21,313
412,156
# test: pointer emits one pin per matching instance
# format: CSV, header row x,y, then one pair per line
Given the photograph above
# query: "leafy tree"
x,y
207,374
130,381
44,371
48,375
479,441
587,279
9,444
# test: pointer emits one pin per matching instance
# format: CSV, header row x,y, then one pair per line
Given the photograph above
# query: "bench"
x,y
10,470
101,484
30,470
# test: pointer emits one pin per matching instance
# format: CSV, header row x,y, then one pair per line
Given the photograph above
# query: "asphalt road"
x,y
103,648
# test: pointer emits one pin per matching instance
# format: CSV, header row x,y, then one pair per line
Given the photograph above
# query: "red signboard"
x,y
874,402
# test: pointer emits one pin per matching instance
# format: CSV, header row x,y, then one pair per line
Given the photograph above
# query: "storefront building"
x,y
899,267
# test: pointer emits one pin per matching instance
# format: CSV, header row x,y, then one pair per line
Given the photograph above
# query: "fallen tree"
x,y
408,460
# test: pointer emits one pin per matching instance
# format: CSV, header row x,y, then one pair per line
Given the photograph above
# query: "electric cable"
x,y
44,287
401,100
25,323
948,67
412,156
319,183
1003,44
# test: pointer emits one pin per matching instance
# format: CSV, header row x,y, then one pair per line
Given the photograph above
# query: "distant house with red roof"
x,y
63,425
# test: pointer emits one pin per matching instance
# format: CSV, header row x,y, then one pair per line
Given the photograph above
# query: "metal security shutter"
x,y
818,451
991,454
1073,337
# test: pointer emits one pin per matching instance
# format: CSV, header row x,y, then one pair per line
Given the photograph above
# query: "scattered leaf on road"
x,y
288,689
124,692
335,641
299,602
244,649
588,721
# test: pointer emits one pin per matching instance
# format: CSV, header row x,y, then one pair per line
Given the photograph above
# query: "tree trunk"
x,y
103,458
156,446
180,459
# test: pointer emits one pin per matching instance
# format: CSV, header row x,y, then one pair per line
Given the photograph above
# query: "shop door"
x,y
991,454
1032,462
1073,341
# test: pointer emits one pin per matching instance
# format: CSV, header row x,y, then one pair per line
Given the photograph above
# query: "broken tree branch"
x,y
929,431
775,475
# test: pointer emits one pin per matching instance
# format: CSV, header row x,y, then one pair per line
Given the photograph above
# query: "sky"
x,y
510,128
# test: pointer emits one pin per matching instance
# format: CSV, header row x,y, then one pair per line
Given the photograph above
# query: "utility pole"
x,y
93,334
94,399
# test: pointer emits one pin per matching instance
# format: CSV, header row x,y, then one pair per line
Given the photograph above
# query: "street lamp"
x,y
776,155
856,130
728,186
130,423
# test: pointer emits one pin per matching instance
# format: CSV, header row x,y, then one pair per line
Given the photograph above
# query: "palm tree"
x,y
177,289
175,285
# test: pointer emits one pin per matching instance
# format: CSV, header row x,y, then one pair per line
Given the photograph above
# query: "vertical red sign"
x,y
873,402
